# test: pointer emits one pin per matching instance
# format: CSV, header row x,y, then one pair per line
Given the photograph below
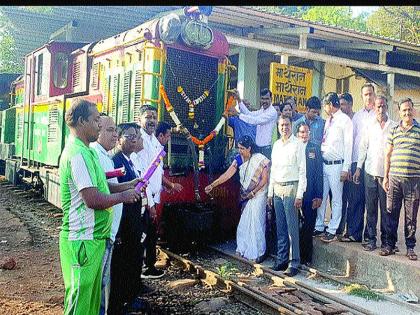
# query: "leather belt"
x,y
333,162
287,183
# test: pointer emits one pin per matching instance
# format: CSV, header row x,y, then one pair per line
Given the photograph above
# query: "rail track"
x,y
262,288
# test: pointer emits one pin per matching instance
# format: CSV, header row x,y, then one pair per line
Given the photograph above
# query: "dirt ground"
x,y
29,230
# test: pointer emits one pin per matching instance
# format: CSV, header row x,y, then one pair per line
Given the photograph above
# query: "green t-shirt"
x,y
79,169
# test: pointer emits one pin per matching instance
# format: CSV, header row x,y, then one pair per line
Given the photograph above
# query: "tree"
x,y
402,23
336,16
9,62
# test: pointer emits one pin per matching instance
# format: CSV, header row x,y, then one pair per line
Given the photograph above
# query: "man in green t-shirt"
x,y
87,210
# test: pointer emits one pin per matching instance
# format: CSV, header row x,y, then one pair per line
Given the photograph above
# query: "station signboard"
x,y
290,81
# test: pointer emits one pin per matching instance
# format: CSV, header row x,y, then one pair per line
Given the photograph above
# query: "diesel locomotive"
x,y
176,63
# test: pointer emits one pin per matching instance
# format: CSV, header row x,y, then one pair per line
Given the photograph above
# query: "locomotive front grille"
x,y
195,73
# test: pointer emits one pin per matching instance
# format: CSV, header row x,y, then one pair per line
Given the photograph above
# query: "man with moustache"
x,y
355,191
264,118
371,154
106,142
312,198
285,192
87,210
128,252
402,179
313,120
152,147
336,149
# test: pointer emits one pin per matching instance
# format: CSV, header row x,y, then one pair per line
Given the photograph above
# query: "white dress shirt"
x,y
288,163
143,159
372,146
337,142
359,121
108,165
264,119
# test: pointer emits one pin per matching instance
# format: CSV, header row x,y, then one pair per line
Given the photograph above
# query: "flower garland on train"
x,y
209,137
192,104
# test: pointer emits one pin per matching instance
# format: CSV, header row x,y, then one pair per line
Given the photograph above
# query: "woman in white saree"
x,y
254,173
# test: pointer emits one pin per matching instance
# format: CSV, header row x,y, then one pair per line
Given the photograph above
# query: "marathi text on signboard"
x,y
288,81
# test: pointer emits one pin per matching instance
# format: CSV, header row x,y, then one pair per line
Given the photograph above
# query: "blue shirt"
x,y
316,128
241,128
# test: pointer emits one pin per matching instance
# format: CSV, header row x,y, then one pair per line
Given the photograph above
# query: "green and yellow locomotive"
x,y
176,63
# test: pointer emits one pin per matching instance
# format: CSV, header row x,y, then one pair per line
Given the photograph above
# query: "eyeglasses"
x,y
130,137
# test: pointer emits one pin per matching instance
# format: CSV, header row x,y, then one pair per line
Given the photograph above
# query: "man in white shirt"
x,y
106,141
142,160
265,119
287,185
371,153
336,150
353,195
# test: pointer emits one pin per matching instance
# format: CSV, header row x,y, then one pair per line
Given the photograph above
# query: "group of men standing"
x,y
360,160
107,223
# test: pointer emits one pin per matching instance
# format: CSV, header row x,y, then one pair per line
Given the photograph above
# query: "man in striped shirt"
x,y
402,179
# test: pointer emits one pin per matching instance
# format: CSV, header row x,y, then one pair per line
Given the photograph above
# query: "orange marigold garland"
x,y
198,142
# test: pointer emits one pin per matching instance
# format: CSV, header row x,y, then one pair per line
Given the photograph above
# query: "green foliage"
x,y
362,291
400,22
8,60
39,9
288,10
336,16
225,271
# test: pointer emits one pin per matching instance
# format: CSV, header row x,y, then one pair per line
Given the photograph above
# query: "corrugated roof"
x,y
337,27
33,29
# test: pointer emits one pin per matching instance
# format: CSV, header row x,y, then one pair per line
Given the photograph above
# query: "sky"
x,y
359,9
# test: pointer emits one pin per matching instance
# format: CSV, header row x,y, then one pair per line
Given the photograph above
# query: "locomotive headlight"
x,y
169,28
197,34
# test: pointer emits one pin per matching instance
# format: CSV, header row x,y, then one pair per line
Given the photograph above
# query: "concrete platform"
x,y
394,272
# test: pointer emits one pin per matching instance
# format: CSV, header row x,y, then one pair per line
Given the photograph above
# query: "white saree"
x,y
250,234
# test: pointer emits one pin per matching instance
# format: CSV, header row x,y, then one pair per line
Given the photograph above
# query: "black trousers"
x,y
127,259
353,206
150,242
407,189
305,237
374,193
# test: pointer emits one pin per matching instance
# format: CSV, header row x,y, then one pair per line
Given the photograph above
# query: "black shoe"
x,y
317,233
260,259
291,272
328,238
396,249
369,247
152,273
137,305
145,289
280,267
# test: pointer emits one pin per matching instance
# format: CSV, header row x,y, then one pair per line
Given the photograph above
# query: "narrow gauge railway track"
x,y
262,288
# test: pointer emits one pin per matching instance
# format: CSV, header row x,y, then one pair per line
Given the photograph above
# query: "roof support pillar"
x,y
284,59
382,57
303,41
390,78
248,75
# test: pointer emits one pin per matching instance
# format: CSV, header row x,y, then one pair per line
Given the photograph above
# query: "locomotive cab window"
x,y
61,66
41,75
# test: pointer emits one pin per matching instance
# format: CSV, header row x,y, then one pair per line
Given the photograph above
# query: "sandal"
x,y
411,254
386,251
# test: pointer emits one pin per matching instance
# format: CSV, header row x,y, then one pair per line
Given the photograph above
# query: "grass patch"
x,y
225,271
362,291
